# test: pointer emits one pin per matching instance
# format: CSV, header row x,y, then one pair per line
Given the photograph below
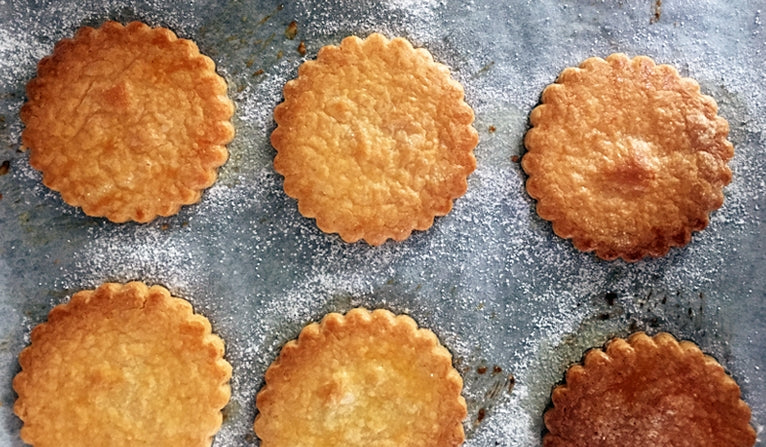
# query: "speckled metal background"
x,y
515,304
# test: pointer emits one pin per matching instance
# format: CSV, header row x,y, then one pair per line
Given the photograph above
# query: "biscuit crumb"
x,y
302,48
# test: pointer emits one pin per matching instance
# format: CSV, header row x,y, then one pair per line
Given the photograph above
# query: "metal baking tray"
x,y
515,304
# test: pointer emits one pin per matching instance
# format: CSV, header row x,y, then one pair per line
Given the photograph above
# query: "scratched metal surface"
x,y
515,304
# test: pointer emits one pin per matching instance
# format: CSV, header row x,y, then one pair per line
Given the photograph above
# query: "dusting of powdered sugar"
x,y
513,303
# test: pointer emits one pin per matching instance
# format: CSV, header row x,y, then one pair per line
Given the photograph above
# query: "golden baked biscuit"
x,y
127,122
122,365
362,379
374,139
626,157
648,391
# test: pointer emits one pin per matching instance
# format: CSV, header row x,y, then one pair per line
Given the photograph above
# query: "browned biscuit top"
x,y
626,157
122,365
648,391
127,122
374,139
364,378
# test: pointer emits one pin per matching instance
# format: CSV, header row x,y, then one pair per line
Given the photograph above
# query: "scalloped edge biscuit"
x,y
625,157
374,139
127,122
362,378
648,391
122,365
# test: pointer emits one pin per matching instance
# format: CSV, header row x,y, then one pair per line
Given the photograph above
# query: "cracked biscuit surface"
x,y
362,379
127,122
374,139
122,365
626,157
648,391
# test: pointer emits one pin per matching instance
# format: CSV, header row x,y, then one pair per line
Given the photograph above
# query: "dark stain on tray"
x,y
231,410
480,415
267,17
657,12
292,30
484,69
498,385
256,42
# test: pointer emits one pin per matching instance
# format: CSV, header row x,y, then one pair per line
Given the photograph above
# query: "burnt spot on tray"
x,y
489,384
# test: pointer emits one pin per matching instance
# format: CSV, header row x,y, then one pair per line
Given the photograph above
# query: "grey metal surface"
x,y
494,283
